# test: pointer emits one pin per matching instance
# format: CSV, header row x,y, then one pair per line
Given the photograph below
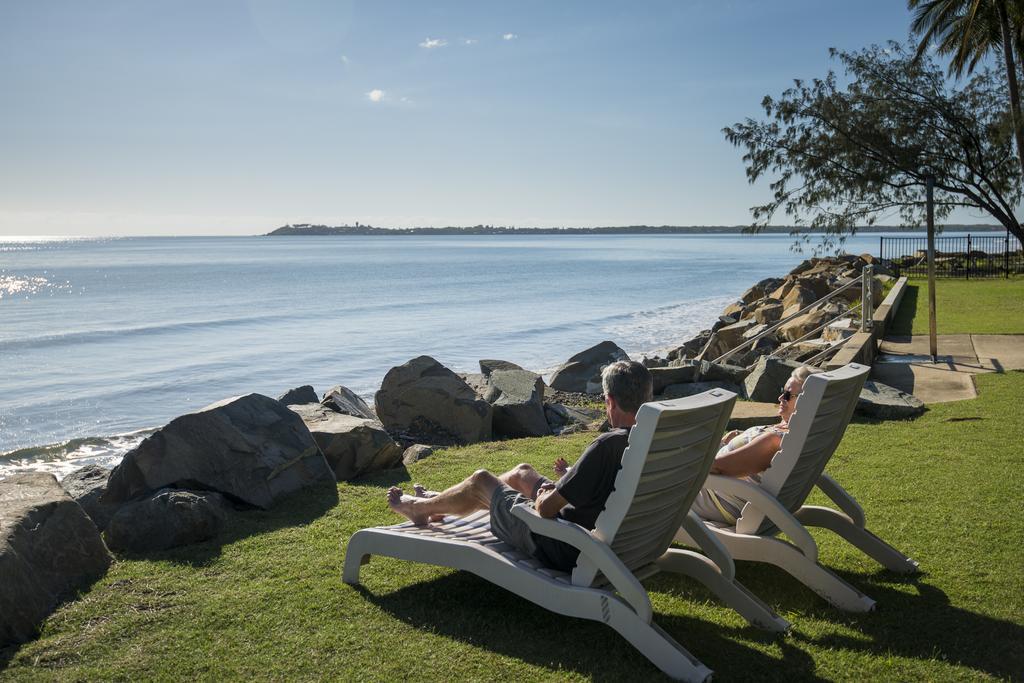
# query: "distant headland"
x,y
358,229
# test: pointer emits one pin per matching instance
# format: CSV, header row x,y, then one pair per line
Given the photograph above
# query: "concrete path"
x,y
905,363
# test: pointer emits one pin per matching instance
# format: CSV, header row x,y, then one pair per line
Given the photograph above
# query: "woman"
x,y
746,455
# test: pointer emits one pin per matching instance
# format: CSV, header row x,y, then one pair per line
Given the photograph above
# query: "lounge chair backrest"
x,y
670,452
823,411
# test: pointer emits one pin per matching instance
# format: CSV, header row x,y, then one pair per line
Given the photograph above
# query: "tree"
x,y
969,30
843,156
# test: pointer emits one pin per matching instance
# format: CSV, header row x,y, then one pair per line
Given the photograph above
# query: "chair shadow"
x,y
920,625
501,622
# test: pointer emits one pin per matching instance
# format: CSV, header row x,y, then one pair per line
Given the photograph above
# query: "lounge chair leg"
x,y
354,559
654,643
731,592
867,542
790,559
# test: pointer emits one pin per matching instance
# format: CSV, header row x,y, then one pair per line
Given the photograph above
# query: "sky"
x,y
138,117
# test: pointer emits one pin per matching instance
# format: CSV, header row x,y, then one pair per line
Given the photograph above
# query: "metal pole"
x,y
968,256
933,342
867,299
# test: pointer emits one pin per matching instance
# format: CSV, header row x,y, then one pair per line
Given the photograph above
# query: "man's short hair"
x,y
629,383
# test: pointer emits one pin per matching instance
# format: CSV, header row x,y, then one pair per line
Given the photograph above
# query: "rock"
x,y
761,289
690,348
519,406
477,381
581,372
838,330
653,362
85,486
723,372
353,445
424,397
564,419
416,452
799,297
487,366
725,321
663,377
694,388
304,394
734,310
343,400
769,312
49,549
765,381
251,448
167,519
728,338
803,324
884,402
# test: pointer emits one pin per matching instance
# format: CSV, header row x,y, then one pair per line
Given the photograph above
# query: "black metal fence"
x,y
960,256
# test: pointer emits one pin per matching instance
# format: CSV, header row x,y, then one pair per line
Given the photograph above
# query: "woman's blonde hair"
x,y
803,372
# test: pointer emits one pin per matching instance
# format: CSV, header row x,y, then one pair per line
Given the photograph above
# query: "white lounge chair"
x,y
670,451
777,505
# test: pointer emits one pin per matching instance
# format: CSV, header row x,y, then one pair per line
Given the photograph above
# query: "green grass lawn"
x,y
267,601
990,306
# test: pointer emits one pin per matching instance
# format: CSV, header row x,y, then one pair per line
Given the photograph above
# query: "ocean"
x,y
103,340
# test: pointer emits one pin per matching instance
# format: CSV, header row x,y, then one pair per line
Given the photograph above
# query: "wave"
x,y
64,457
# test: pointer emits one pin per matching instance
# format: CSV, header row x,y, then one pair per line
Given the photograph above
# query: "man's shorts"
x,y
506,526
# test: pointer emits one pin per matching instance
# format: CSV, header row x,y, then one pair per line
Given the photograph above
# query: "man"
x,y
579,495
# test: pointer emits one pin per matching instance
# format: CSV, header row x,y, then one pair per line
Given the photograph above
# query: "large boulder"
x,y
770,311
582,372
304,394
803,324
691,347
519,406
686,371
49,549
343,400
564,419
761,289
167,519
723,372
251,448
488,365
85,486
884,402
424,397
694,388
799,296
765,381
353,446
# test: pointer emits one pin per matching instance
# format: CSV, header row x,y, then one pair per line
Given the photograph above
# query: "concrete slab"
x,y
1000,352
958,347
930,383
748,414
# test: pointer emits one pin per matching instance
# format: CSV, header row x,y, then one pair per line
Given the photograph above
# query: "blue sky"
x,y
235,117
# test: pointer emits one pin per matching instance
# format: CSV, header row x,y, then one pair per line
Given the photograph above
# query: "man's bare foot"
x,y
406,506
422,492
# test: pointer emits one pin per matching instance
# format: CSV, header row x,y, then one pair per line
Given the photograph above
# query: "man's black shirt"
x,y
586,488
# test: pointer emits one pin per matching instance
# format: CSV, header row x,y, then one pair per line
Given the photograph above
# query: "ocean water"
x,y
102,340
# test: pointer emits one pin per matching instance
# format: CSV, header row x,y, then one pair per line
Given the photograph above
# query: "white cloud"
x,y
344,60
375,95
431,43
470,41
509,36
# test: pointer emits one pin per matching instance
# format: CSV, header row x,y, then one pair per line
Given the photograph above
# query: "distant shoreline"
x,y
369,230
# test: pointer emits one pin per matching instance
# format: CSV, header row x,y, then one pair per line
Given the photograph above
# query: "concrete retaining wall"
x,y
863,346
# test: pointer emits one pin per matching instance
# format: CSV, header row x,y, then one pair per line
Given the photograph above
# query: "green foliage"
x,y
845,155
965,30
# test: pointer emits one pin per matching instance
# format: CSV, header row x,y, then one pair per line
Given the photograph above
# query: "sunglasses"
x,y
787,395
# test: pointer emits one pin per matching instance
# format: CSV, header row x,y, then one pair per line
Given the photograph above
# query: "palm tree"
x,y
969,30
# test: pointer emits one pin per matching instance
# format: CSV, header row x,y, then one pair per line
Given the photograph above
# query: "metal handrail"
x,y
810,334
834,347
780,323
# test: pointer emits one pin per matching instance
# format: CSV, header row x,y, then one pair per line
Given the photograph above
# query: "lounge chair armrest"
x,y
831,488
710,545
598,553
771,507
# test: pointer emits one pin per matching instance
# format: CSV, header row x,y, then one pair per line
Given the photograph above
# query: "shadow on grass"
x,y
903,322
295,509
491,618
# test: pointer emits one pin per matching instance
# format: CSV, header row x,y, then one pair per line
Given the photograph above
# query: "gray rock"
x,y
353,445
167,519
85,486
723,372
653,362
477,381
519,406
583,371
691,347
424,397
761,289
487,366
49,549
251,448
765,381
680,374
694,388
884,402
725,321
564,419
343,400
416,452
304,394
